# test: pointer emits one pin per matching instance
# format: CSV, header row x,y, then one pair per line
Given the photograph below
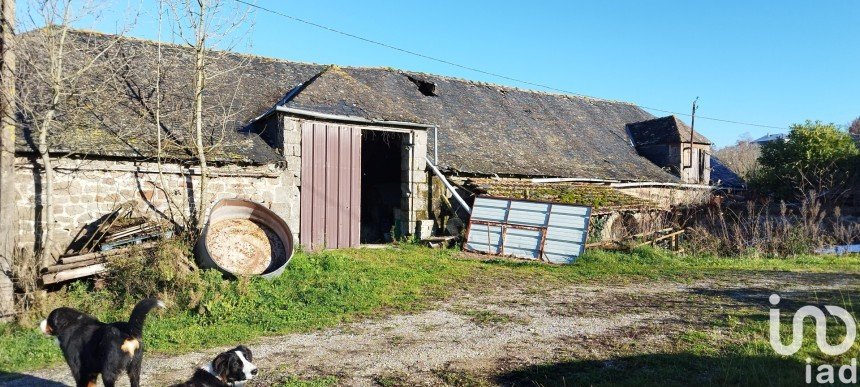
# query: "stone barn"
x,y
340,153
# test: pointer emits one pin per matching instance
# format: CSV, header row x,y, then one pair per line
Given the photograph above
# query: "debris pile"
x,y
114,234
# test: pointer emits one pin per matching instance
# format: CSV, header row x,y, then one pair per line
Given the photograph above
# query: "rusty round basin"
x,y
244,238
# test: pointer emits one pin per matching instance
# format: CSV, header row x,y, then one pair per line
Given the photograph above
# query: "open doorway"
x,y
381,154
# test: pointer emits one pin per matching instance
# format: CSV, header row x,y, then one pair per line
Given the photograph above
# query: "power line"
x,y
477,70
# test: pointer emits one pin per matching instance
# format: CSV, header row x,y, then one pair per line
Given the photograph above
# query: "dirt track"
x,y
495,329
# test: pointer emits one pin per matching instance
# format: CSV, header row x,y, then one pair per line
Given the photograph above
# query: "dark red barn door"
x,y
331,186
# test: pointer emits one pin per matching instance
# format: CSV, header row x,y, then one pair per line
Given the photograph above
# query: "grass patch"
x,y
458,378
393,379
650,263
324,289
325,381
487,317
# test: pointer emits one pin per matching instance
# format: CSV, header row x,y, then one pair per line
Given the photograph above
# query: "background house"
x,y
672,145
340,152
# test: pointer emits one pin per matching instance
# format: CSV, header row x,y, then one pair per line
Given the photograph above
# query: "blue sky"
x,y
772,63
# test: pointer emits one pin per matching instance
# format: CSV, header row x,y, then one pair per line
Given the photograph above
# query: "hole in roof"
x,y
427,88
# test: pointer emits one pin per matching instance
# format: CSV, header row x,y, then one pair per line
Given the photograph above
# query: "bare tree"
x,y
56,89
742,157
7,155
854,128
201,25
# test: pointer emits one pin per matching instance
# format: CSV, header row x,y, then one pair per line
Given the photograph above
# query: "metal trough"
x,y
245,238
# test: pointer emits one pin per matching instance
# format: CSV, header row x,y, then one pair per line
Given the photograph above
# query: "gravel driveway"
x,y
492,328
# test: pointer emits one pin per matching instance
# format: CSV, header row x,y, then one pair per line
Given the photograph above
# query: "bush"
x,y
166,271
813,156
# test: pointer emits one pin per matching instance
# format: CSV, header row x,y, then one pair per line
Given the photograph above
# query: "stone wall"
x,y
86,190
668,197
415,203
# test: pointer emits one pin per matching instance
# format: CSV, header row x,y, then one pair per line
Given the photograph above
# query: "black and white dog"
x,y
229,368
92,347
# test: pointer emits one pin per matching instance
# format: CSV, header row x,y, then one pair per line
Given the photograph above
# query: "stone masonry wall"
x,y
85,190
415,203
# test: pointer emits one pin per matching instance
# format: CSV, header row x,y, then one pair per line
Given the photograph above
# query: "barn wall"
x,y
85,190
691,174
670,158
667,197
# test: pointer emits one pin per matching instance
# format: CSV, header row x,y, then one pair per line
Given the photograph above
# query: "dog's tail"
x,y
138,315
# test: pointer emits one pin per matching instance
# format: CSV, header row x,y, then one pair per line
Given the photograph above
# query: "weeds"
x,y
769,229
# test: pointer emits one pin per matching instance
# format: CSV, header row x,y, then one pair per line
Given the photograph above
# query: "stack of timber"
x,y
132,235
116,215
79,266
116,234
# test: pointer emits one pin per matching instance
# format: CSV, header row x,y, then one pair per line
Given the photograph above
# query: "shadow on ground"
x,y
14,379
682,369
790,299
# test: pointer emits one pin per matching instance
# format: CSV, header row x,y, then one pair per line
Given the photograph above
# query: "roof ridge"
x,y
384,68
490,84
183,46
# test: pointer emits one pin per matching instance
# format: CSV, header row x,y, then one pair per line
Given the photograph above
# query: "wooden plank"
x,y
505,229
144,228
88,257
343,186
543,233
331,191
67,266
660,238
355,188
102,254
99,233
318,188
307,184
73,274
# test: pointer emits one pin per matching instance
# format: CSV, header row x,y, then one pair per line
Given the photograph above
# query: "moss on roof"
x,y
600,197
483,128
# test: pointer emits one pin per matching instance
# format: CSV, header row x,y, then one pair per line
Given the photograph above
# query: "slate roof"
x,y
769,138
663,130
490,129
119,120
483,128
601,197
723,176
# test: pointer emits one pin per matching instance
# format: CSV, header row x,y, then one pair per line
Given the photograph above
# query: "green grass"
x,y
326,381
316,291
646,262
324,289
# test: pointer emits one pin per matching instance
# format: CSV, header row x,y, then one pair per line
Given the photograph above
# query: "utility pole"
x,y
8,224
693,129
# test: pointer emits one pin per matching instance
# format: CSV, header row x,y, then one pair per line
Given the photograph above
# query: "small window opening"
x,y
428,89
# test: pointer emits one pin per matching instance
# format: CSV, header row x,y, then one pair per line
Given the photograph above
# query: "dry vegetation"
x,y
772,229
742,158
